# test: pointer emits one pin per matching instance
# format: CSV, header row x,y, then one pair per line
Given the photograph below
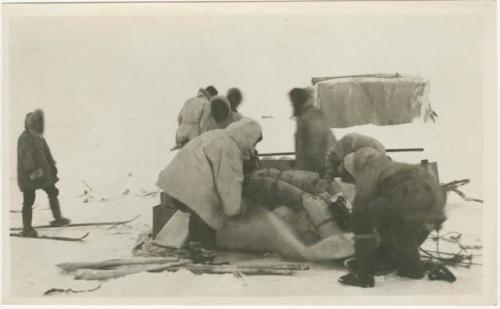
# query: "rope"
x,y
275,186
461,258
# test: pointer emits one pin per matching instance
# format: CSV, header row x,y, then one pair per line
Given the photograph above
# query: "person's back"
x,y
349,143
402,202
193,116
313,136
221,114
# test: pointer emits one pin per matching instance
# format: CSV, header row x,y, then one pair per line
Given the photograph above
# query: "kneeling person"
x,y
206,178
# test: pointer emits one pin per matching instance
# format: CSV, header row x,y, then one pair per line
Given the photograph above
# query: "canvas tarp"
x,y
372,99
288,229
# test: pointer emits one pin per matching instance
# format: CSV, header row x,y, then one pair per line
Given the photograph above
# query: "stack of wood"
x,y
111,269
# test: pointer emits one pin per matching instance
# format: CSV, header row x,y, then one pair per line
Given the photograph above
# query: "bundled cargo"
x,y
286,216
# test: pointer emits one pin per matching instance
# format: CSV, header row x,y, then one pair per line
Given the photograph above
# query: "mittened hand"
x,y
36,174
353,279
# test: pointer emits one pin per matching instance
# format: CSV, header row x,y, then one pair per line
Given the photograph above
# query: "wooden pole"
x,y
99,274
214,269
293,153
114,263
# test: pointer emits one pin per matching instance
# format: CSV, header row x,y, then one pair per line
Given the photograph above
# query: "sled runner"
x,y
63,238
80,224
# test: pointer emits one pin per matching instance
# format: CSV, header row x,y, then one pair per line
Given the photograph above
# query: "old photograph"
x,y
332,153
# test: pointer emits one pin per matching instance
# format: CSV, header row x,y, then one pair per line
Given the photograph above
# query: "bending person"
x,y
206,177
193,116
402,202
349,143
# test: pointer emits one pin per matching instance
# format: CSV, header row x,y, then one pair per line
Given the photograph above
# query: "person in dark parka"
x,y
235,98
313,137
36,169
221,115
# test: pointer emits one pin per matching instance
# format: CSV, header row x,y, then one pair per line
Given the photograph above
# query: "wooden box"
x,y
162,213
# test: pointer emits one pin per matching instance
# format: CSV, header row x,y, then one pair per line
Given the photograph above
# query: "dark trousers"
x,y
29,199
199,232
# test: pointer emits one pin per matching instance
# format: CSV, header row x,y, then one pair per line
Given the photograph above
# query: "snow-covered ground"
x,y
111,165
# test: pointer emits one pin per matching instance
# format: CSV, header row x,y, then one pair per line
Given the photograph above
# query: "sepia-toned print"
x,y
249,153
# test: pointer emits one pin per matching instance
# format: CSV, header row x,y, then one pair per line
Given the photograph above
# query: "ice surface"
x,y
126,154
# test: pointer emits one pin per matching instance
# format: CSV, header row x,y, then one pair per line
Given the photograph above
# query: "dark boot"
x,y
56,212
383,264
28,230
408,244
202,242
200,255
27,212
364,252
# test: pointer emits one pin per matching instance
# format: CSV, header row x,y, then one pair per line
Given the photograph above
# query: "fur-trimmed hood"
x,y
303,101
204,93
355,161
35,122
220,98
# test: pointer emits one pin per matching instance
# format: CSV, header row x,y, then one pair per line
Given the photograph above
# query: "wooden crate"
x,y
162,213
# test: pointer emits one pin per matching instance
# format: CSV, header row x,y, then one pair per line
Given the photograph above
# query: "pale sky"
x,y
74,62
87,71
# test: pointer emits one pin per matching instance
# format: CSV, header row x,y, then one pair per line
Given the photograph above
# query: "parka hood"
x,y
355,161
223,99
302,100
245,133
35,122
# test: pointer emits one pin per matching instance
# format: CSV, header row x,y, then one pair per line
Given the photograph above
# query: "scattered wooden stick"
x,y
212,269
68,291
99,274
455,184
466,198
114,263
286,266
87,185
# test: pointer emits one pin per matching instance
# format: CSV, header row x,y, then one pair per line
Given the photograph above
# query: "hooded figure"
x,y
235,98
221,114
36,169
193,116
402,202
33,155
313,136
349,143
206,176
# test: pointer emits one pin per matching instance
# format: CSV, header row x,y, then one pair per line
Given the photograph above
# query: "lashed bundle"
x,y
274,188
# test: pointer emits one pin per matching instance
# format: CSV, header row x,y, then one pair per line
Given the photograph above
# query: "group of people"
x,y
395,208
207,111
205,178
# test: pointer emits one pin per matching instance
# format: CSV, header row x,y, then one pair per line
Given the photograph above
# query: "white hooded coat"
x,y
207,174
192,118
